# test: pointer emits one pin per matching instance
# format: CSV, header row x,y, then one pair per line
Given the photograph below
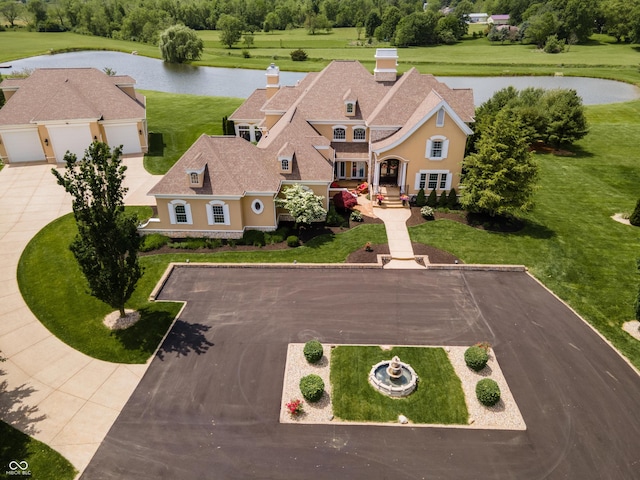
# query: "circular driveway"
x,y
208,405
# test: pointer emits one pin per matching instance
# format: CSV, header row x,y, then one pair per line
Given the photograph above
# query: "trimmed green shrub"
x,y
427,212
452,199
356,216
634,218
153,242
334,219
432,199
488,392
253,237
313,351
421,199
298,55
476,357
312,387
293,241
443,201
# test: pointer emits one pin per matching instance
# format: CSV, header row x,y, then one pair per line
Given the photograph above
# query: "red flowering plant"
x,y
295,407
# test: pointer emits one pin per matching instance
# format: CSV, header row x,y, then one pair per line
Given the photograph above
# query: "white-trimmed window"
x,y
180,212
284,163
257,206
437,148
440,118
351,108
218,213
194,178
433,180
359,134
339,134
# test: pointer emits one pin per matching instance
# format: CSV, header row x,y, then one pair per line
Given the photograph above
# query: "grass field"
x,y
438,399
602,57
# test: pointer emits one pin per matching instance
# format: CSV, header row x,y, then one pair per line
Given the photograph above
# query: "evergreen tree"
x,y
107,244
500,178
432,199
421,198
443,201
634,219
452,200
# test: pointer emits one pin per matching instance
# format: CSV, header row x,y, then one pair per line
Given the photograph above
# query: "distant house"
x,y
334,130
498,20
55,110
478,17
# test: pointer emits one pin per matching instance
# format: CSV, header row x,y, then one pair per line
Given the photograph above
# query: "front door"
x,y
389,172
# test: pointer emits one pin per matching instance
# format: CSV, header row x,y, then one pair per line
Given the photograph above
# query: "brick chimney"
x,y
386,65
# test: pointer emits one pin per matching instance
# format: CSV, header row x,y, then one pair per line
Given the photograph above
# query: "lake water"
x,y
153,74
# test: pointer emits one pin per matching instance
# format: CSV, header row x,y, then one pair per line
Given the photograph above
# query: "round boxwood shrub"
x,y
313,351
312,387
476,357
293,241
488,392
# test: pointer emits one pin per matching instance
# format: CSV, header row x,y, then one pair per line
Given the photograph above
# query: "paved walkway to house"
x,y
395,223
53,392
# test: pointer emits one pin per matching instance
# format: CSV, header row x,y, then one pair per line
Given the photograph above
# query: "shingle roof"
x,y
251,107
50,94
234,166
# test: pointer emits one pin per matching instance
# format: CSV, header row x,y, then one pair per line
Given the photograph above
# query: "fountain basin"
x,y
401,384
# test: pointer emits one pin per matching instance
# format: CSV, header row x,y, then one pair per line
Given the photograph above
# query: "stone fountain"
x,y
393,378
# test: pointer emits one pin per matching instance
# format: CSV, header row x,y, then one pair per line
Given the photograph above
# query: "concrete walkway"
x,y
400,249
51,391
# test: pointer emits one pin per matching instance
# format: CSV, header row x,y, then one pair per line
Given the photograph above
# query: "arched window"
x,y
440,118
350,107
359,134
285,164
340,134
218,213
194,178
180,212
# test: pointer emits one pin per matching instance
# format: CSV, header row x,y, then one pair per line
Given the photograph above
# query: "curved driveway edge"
x,y
53,392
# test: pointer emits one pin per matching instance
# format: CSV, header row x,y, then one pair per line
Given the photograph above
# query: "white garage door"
x,y
23,146
125,135
74,138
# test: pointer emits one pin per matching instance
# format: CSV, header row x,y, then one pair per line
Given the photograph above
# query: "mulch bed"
x,y
435,255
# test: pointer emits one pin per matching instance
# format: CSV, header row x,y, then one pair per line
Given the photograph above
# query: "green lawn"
x,y
181,119
43,462
570,243
438,399
55,290
602,57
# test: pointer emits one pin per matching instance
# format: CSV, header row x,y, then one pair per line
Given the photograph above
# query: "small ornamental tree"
x,y
302,204
107,244
443,201
421,199
452,199
344,200
432,199
180,44
634,219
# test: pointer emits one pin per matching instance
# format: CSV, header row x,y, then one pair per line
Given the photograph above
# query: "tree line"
x,y
401,22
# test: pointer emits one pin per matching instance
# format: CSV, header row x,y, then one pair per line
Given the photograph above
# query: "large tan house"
x,y
335,128
55,110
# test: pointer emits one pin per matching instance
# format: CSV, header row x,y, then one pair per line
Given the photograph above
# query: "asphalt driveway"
x,y
208,405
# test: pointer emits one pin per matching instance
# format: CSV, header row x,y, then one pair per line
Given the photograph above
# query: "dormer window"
x,y
350,101
194,178
285,158
284,163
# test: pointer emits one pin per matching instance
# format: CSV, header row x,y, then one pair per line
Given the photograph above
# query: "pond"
x,y
154,74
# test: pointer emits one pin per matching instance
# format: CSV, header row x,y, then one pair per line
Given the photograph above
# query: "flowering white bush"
x,y
426,212
303,205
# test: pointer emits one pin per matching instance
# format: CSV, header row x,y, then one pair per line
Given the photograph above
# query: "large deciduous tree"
x,y
107,244
230,28
10,10
302,204
180,44
500,178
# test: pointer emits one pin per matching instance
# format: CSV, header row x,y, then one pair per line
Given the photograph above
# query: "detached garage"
x,y
55,110
23,145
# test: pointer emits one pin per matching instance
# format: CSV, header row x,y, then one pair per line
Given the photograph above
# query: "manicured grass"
x,y
602,57
57,293
181,119
438,398
43,461
570,243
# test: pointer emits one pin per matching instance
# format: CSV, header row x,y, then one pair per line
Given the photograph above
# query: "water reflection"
x,y
153,74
